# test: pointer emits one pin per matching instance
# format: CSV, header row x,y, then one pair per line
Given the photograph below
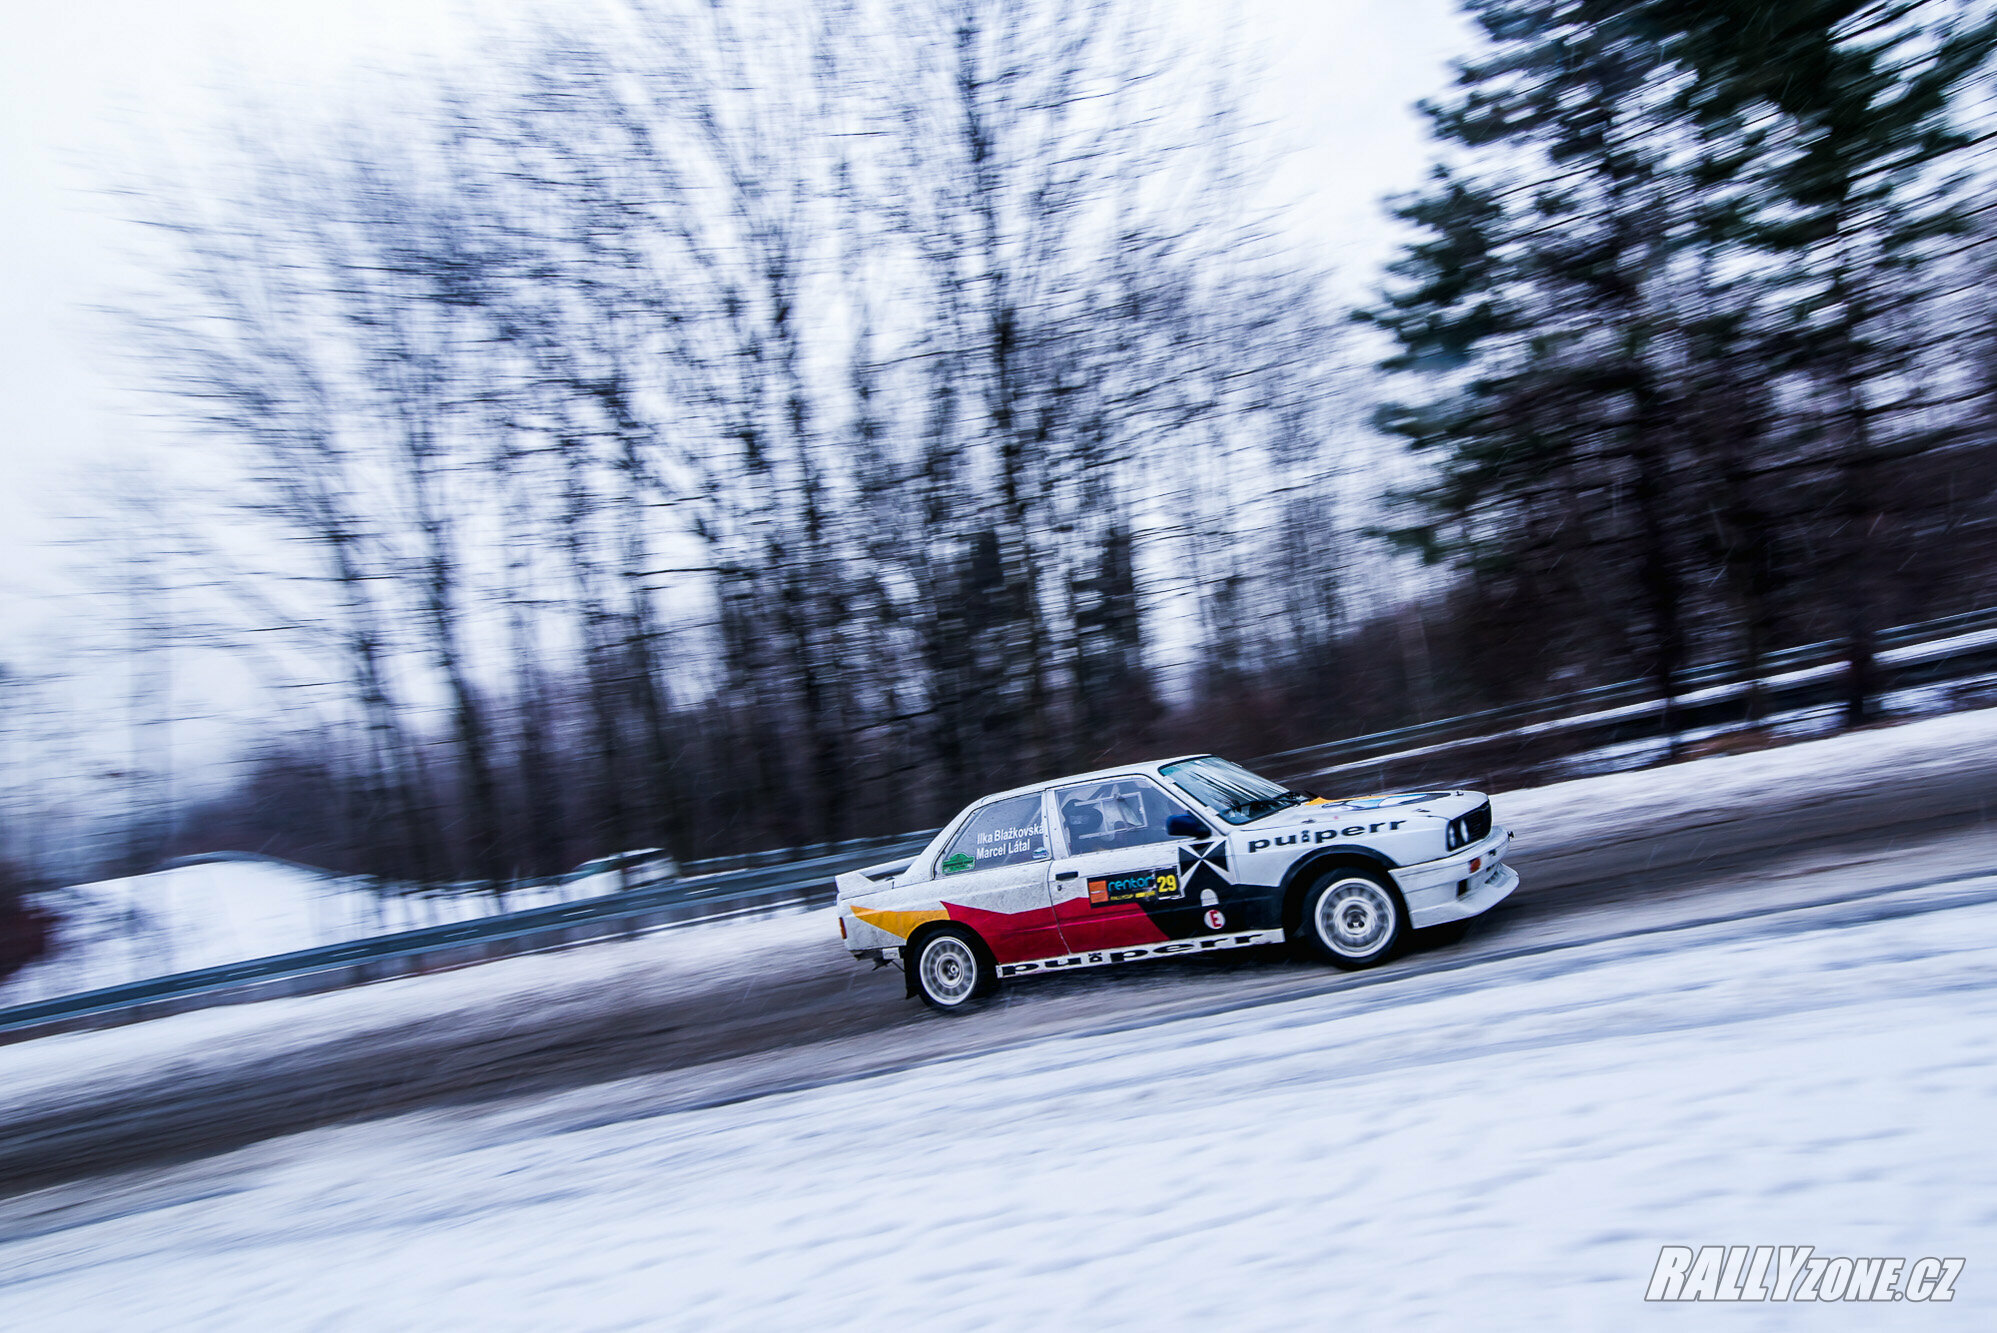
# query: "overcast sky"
x,y
89,88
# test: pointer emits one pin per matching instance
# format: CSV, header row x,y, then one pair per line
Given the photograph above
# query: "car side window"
x,y
1117,813
1005,833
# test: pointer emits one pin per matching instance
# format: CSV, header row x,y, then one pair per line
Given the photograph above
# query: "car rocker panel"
x,y
1084,872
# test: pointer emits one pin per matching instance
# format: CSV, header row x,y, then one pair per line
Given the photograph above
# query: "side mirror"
x,y
1186,826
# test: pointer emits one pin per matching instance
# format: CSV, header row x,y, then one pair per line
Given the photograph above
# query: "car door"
x,y
1116,878
992,877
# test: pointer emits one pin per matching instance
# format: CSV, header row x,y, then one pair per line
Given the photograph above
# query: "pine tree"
x,y
1534,303
1855,206
1674,296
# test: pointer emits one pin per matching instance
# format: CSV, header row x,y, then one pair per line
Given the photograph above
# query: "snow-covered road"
x,y
1505,1145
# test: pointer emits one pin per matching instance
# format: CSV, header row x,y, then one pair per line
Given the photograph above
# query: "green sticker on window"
x,y
961,861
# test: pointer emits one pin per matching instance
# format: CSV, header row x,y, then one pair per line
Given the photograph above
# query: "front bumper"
x,y
1436,892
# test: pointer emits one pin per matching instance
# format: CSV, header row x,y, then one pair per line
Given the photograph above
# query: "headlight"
x,y
1466,829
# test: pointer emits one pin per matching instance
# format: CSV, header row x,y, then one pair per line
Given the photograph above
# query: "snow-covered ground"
x,y
695,959
1501,1146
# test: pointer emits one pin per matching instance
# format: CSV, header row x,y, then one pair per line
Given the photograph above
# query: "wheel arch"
x,y
1309,869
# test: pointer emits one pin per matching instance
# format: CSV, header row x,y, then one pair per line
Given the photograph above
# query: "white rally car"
x,y
1163,859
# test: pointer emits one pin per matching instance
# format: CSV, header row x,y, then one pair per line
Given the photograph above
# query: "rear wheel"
x,y
951,970
1354,919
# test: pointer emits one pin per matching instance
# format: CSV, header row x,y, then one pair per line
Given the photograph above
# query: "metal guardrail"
x,y
1467,726
787,856
805,881
804,874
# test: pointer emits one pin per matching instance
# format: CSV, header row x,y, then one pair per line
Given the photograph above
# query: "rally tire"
x,y
951,970
1353,919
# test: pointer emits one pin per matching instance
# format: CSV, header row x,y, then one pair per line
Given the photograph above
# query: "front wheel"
x,y
1353,919
951,971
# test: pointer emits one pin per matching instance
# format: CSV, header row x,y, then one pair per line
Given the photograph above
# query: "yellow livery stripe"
x,y
899,924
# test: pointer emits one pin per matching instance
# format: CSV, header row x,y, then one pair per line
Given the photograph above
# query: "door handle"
x,y
1064,874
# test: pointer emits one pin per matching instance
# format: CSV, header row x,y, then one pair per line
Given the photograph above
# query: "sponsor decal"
x,y
957,863
1795,1273
1306,837
1203,866
1215,920
1211,855
1141,886
1103,957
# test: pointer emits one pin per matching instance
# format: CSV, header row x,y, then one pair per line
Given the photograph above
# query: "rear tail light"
x,y
842,927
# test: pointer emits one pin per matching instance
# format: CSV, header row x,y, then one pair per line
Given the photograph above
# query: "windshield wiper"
x,y
1269,805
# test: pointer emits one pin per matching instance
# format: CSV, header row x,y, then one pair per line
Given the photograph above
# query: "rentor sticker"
x,y
1142,886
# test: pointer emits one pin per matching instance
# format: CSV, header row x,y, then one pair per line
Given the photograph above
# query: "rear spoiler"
x,y
871,879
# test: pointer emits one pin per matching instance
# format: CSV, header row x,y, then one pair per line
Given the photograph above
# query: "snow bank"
x,y
121,930
1500,1148
228,911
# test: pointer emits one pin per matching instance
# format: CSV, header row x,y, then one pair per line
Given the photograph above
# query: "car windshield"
x,y
1230,790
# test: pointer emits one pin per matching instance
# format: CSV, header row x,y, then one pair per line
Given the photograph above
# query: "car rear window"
x,y
1005,833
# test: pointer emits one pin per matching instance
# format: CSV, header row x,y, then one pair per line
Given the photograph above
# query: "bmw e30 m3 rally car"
x,y
1161,859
